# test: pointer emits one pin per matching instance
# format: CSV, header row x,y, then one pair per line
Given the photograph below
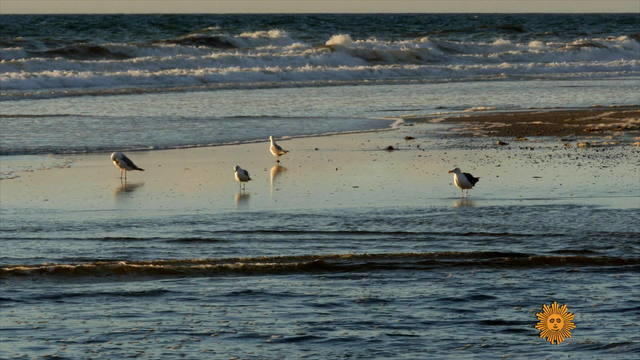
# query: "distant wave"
x,y
226,41
274,58
82,52
312,263
201,40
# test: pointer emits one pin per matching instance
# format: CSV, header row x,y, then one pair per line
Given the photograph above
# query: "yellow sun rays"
x,y
556,323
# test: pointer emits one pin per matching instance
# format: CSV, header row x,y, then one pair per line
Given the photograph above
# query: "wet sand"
x,y
595,122
349,170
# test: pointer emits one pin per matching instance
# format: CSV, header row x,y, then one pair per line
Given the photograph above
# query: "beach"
x,y
336,171
338,208
357,244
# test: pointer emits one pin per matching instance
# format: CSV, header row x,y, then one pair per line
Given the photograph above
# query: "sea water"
x,y
414,276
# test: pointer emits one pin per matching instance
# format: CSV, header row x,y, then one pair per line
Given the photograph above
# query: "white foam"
x,y
273,56
270,34
480,108
340,40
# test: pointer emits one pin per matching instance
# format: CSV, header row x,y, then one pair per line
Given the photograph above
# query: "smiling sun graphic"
x,y
555,323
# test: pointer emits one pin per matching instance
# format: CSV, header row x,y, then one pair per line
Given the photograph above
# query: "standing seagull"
x,y
122,162
276,149
242,176
464,181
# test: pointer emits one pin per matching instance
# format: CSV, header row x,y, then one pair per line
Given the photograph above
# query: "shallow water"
x,y
449,313
472,227
449,282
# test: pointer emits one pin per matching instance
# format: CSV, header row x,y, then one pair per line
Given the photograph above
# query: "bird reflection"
x,y
242,200
276,171
463,202
125,188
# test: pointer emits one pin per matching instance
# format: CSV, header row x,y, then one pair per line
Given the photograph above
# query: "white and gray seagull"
x,y
276,149
464,181
241,175
122,162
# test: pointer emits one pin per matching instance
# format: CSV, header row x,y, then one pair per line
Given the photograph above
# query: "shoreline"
x,y
588,127
407,166
394,124
482,123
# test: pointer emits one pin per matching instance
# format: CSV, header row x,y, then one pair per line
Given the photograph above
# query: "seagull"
x,y
464,181
276,149
242,176
122,162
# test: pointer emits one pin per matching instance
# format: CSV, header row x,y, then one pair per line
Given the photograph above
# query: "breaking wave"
x,y
273,57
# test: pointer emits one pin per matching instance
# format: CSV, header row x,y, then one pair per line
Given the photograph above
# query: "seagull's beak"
x,y
450,171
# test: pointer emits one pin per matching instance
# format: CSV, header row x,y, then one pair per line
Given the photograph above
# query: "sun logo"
x,y
555,323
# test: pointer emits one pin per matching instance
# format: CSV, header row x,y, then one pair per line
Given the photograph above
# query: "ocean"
x,y
130,82
313,268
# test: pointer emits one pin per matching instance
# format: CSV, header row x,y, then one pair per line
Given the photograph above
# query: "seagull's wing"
x,y
473,180
281,149
129,163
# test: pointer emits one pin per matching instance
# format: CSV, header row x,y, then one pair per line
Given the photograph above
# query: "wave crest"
x,y
312,263
212,41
